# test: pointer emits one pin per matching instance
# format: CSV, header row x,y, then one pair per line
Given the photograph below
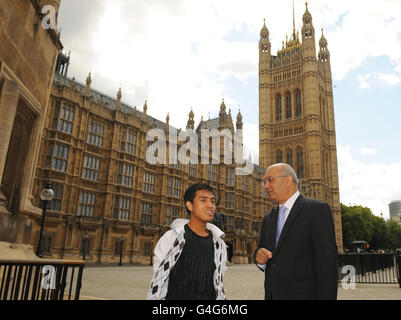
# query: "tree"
x,y
359,223
393,233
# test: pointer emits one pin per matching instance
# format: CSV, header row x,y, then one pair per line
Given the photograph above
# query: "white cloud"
x,y
390,79
179,54
367,29
367,151
364,81
369,184
251,141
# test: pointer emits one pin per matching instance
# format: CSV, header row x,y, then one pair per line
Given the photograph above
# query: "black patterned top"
x,y
192,275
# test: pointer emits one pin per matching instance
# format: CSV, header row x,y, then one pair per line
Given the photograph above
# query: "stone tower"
x,y
296,113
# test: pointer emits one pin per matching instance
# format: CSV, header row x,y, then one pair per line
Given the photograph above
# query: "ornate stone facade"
x,y
107,191
28,54
296,113
109,199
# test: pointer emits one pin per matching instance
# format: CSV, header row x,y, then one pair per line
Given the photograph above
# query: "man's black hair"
x,y
189,194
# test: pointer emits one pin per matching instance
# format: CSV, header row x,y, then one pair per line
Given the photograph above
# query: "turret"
x,y
167,121
191,122
145,110
222,113
324,54
308,34
88,84
264,47
239,123
118,102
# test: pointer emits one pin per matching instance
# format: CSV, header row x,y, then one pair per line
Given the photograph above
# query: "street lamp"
x,y
85,240
151,254
121,250
46,195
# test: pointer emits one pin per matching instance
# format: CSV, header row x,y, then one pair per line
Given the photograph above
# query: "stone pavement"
x,y
242,282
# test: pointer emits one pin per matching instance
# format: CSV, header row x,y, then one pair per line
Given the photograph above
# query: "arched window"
x,y
321,111
327,165
288,109
288,155
326,113
279,156
298,104
278,107
300,163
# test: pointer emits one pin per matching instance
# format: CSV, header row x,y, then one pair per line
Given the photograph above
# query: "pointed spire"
x,y
118,102
167,121
264,43
308,33
88,84
293,18
264,33
324,53
239,115
223,106
323,41
73,83
191,122
222,113
145,108
239,123
89,79
307,13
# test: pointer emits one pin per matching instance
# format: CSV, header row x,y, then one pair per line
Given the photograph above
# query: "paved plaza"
x,y
242,282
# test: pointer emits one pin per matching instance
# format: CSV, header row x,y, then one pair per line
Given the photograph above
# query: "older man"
x,y
297,248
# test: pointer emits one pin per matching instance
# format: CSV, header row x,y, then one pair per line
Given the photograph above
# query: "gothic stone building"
x,y
296,114
28,54
109,200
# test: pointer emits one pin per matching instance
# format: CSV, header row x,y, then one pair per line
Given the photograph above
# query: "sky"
x,y
183,54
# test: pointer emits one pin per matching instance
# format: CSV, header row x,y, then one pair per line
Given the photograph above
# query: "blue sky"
x,y
180,54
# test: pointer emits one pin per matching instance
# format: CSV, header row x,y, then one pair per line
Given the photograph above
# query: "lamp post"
x,y
46,195
151,254
85,240
121,251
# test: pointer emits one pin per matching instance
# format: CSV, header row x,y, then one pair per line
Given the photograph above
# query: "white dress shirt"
x,y
290,203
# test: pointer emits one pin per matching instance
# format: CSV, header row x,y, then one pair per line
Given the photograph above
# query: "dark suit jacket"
x,y
304,264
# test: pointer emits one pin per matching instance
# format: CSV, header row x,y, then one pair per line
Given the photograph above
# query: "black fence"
x,y
40,279
370,267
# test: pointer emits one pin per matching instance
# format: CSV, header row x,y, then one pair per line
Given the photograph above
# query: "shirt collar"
x,y
290,202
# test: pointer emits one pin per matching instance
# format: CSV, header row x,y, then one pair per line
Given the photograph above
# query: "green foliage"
x,y
359,223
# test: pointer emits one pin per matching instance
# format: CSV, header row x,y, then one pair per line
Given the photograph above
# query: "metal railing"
x,y
40,279
371,267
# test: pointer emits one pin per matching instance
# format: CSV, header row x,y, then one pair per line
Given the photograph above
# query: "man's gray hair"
x,y
286,170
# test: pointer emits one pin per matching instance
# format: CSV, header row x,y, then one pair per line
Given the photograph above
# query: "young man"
x,y
190,259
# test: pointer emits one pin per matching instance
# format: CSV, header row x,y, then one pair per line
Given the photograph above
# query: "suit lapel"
x,y
274,214
292,216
